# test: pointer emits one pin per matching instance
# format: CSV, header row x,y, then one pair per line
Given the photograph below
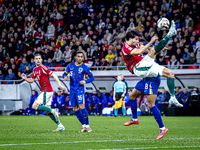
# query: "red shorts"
x,y
130,68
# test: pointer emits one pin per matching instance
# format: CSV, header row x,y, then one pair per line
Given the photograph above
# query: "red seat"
x,y
167,60
192,67
58,69
197,26
197,31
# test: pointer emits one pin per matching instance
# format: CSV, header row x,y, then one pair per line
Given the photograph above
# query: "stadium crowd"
x,y
57,29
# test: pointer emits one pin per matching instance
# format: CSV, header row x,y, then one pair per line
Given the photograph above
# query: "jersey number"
x,y
146,86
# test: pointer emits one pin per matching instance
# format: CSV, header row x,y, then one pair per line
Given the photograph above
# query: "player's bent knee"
x,y
81,106
75,109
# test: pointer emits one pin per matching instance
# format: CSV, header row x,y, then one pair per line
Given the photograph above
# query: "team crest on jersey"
x,y
80,70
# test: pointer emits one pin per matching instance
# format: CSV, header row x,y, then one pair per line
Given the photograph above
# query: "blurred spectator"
x,y
111,101
186,55
96,53
161,61
109,56
19,47
173,63
192,42
32,64
178,93
192,58
50,30
188,22
49,63
57,55
121,63
88,100
5,69
179,54
194,99
29,108
27,70
10,76
59,102
162,98
96,63
23,65
29,56
1,75
101,101
184,97
182,63
67,53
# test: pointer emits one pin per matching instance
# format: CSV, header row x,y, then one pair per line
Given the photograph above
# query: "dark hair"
x,y
37,54
132,34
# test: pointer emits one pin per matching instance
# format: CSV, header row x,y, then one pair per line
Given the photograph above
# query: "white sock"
x,y
83,126
134,119
60,125
87,126
163,128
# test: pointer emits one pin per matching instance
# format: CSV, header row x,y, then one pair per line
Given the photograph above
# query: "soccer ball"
x,y
163,24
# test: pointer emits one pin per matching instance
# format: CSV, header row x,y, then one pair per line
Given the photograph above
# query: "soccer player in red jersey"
x,y
42,73
145,66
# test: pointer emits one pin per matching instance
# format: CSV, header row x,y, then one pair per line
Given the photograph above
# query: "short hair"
x,y
37,54
132,34
81,52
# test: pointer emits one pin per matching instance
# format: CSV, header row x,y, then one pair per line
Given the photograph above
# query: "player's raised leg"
x,y
156,49
156,113
171,86
133,103
51,113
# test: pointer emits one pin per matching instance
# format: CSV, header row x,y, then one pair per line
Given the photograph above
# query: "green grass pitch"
x,y
36,132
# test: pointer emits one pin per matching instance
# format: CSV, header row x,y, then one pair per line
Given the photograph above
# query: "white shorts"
x,y
148,68
45,98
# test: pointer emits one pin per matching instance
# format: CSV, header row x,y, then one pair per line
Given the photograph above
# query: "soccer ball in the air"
x,y
163,24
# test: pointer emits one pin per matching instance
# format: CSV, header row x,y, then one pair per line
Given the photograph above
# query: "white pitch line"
x,y
97,141
150,147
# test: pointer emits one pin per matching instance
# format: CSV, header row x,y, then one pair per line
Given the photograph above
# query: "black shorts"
x,y
118,96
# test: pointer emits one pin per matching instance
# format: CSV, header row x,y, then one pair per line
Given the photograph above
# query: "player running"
x,y
43,102
76,72
148,86
145,66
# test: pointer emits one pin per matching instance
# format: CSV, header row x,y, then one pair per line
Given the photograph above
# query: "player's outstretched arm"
x,y
136,51
29,80
91,78
58,82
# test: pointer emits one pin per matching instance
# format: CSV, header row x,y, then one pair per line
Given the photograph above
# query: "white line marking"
x,y
98,141
150,147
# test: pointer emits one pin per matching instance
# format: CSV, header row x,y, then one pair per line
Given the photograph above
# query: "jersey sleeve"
x,y
47,70
67,70
127,49
33,74
87,70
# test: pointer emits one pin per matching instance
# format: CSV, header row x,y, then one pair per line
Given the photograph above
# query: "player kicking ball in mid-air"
x,y
76,72
145,66
43,102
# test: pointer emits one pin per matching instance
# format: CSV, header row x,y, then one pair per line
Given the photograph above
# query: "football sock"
x,y
171,86
124,111
85,114
53,118
157,116
162,44
133,104
115,112
80,117
44,108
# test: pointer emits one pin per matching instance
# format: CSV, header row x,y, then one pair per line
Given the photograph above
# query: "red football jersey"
x,y
42,73
130,60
